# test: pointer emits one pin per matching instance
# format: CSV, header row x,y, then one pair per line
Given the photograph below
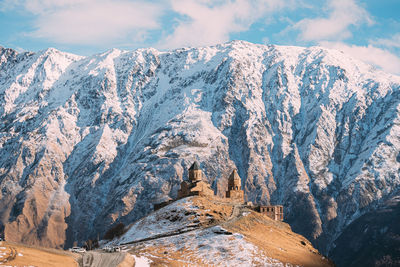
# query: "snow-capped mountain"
x,y
88,141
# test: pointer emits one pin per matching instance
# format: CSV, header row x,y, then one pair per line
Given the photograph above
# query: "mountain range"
x,y
89,142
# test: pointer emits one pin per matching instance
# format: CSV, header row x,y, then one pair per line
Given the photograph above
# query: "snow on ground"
x,y
166,220
215,246
142,261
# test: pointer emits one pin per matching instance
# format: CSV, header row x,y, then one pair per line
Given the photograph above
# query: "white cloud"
x,y
115,22
210,22
90,22
393,42
381,58
343,14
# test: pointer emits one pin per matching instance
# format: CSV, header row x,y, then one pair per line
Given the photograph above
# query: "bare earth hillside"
x,y
13,254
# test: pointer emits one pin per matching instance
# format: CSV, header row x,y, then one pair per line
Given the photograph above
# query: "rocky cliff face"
x,y
88,141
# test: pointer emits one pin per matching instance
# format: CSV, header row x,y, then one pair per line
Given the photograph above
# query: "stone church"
x,y
195,186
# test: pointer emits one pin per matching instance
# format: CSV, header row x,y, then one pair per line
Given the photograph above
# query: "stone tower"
x,y
235,191
195,173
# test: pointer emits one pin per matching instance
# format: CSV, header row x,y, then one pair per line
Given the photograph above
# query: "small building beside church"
x,y
274,212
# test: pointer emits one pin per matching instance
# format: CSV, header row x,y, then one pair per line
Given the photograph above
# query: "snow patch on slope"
x,y
215,246
167,220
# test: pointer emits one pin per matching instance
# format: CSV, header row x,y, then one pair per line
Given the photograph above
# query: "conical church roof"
x,y
234,176
195,166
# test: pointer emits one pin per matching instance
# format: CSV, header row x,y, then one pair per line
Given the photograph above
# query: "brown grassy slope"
x,y
35,256
277,240
128,261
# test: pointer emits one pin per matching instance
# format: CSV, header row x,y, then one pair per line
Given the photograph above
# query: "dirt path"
x,y
235,212
168,234
102,259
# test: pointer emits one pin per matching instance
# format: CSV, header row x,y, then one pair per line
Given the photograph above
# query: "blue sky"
x,y
368,30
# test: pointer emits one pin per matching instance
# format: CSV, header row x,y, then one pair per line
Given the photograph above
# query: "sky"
x,y
366,29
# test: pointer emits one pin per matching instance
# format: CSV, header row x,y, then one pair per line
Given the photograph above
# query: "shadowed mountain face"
x,y
371,240
88,141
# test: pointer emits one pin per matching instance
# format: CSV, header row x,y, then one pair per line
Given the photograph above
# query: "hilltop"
x,y
211,231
